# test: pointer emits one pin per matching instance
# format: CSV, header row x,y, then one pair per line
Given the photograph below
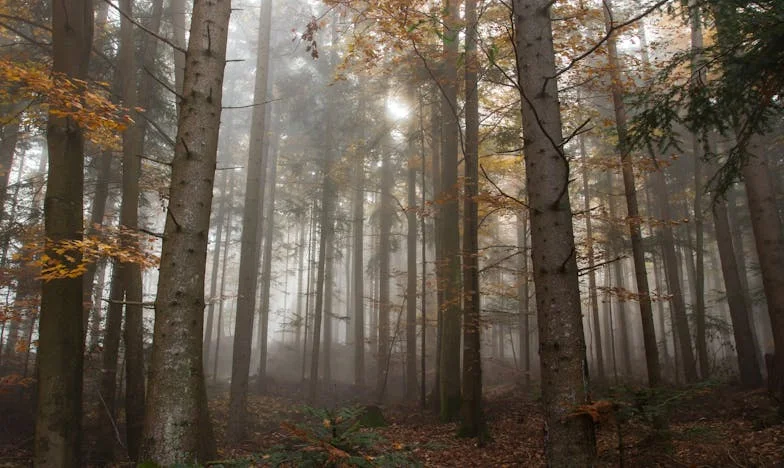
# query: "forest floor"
x,y
712,425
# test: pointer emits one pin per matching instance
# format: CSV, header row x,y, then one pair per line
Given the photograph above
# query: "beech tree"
x,y
58,432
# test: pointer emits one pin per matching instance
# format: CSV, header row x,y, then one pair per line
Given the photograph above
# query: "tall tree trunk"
x,y
471,411
329,287
386,213
326,237
769,240
423,279
220,221
744,340
9,136
522,298
449,235
249,256
358,267
697,143
266,269
311,254
592,292
177,428
569,440
123,274
633,215
436,145
226,244
58,429
411,275
616,271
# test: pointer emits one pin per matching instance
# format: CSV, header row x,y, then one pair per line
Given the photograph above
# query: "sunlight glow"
x,y
396,109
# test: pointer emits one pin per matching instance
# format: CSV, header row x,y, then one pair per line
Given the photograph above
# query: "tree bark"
x,y
744,340
471,423
220,221
386,214
249,256
592,292
226,244
449,235
358,268
523,308
633,215
569,439
411,276
177,426
61,336
769,240
266,269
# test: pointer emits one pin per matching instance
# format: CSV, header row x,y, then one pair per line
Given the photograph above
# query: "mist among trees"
x,y
397,233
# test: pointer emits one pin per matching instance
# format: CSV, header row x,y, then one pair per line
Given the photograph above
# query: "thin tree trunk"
x,y
411,277
437,140
311,254
249,257
358,266
226,244
326,237
633,215
329,287
220,221
177,428
744,340
386,213
592,292
266,270
619,283
423,342
522,298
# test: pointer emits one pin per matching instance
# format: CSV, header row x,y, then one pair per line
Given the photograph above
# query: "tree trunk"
x,y
423,342
226,244
449,236
58,431
592,292
358,260
386,214
329,287
471,411
437,144
522,298
266,270
769,241
697,149
411,276
326,237
220,221
570,440
616,269
249,256
633,215
177,427
744,341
